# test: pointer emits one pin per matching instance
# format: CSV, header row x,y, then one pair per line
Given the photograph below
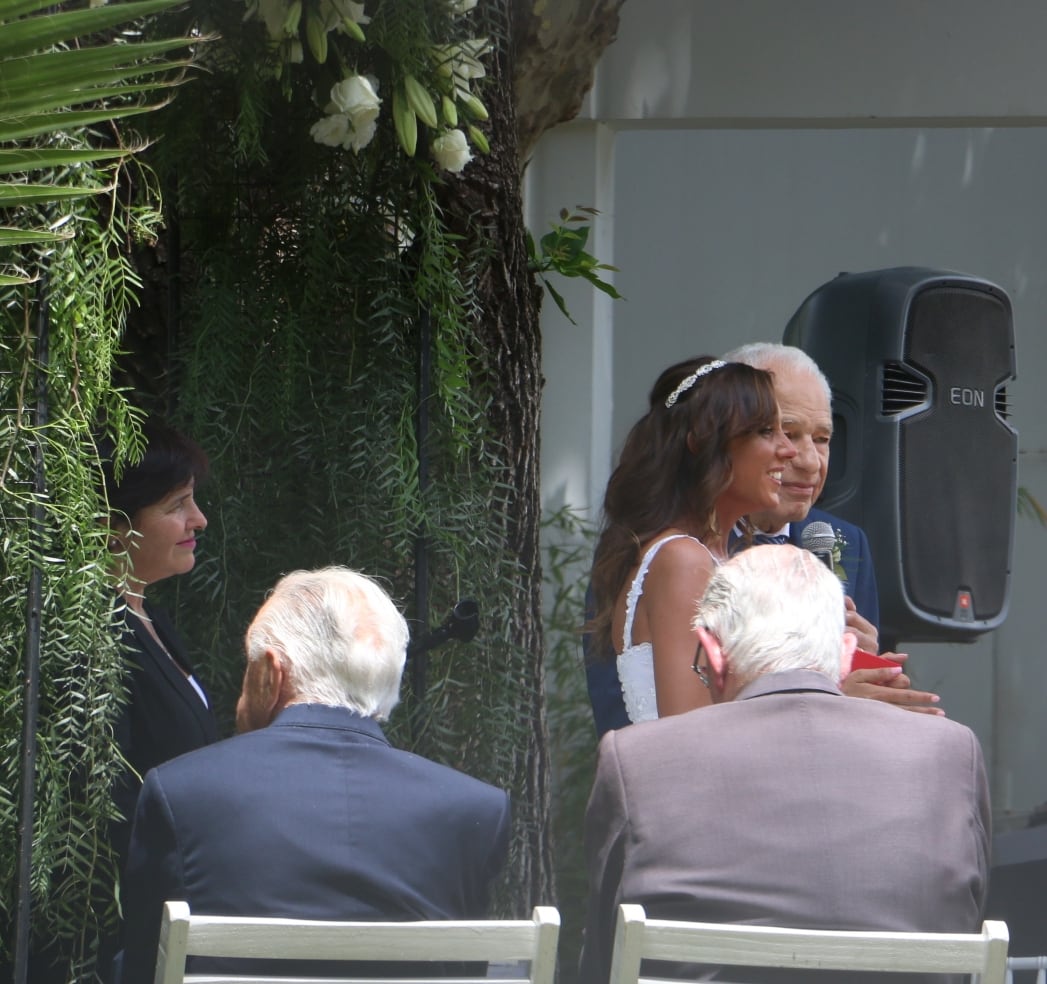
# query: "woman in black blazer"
x,y
154,520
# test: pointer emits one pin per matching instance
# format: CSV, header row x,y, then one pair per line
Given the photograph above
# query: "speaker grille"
x,y
904,392
958,459
923,454
1002,404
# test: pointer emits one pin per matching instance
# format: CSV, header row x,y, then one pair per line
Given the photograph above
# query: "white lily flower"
x,y
273,14
356,96
360,136
451,151
331,131
333,12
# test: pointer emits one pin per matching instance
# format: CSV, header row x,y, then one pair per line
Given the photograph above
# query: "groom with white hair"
x,y
784,803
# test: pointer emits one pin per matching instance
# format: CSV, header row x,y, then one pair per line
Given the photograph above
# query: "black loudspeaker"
x,y
922,457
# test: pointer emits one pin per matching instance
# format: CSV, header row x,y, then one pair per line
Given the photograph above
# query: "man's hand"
x,y
891,684
868,637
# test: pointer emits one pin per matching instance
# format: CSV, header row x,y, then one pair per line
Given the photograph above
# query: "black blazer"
x,y
164,716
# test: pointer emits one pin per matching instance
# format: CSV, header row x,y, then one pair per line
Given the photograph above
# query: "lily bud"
x,y
316,35
294,17
472,105
353,29
449,110
406,123
479,140
420,101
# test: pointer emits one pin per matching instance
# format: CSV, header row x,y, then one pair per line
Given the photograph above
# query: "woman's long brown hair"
x,y
672,468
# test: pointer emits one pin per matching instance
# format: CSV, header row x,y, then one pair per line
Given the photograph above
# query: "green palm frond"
x,y
54,87
23,33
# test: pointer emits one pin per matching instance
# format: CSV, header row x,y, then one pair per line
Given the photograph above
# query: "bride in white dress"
x,y
709,450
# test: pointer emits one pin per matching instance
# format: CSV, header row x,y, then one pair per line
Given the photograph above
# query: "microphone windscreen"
x,y
818,537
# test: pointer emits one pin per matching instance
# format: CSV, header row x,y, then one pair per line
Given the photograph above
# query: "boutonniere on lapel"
x,y
839,542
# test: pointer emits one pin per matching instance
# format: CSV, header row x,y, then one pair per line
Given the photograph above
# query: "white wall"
x,y
724,207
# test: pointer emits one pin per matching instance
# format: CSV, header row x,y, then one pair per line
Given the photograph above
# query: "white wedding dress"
x,y
636,663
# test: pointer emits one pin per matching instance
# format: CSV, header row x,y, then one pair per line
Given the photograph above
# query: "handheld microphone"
x,y
818,537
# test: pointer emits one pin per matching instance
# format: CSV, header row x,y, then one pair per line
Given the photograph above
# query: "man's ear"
x,y
274,680
714,654
847,648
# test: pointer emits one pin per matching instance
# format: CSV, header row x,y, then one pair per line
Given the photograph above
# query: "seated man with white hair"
x,y
309,813
785,803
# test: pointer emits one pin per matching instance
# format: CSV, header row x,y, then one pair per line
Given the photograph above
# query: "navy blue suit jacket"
x,y
601,675
856,560
315,817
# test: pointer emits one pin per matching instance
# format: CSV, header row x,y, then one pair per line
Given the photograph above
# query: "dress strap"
x,y
636,588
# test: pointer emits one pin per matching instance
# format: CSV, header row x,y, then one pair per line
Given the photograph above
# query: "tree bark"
x,y
538,79
487,206
557,45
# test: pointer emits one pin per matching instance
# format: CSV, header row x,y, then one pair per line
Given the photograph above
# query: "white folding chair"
x,y
1025,965
506,942
722,944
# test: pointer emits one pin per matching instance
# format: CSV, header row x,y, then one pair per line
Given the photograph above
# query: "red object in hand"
x,y
862,660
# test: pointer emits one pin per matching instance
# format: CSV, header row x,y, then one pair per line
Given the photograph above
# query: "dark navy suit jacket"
x,y
856,560
316,817
605,689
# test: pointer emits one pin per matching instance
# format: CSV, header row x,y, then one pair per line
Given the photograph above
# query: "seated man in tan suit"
x,y
785,804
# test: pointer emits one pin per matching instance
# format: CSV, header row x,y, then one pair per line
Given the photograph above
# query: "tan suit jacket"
x,y
791,805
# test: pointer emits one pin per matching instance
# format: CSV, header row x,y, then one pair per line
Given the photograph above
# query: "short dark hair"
x,y
170,460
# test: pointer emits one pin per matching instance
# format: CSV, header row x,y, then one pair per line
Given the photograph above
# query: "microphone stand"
x,y
460,625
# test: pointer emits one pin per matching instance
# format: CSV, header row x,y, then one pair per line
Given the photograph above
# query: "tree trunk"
x,y
537,80
486,205
557,45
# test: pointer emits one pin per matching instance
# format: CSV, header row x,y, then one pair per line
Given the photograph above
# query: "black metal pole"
x,y
174,285
419,660
31,678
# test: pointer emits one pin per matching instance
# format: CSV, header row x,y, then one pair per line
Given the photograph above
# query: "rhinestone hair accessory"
x,y
687,383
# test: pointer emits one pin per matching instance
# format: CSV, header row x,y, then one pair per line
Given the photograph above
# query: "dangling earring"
x,y
714,524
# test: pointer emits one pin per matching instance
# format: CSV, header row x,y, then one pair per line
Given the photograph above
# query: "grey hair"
x,y
775,608
773,355
340,639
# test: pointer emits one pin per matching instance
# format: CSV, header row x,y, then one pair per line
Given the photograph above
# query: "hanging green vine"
x,y
65,235
90,284
309,270
312,270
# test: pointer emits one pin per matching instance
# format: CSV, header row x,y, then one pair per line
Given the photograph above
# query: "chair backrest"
x,y
1025,966
721,944
506,942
